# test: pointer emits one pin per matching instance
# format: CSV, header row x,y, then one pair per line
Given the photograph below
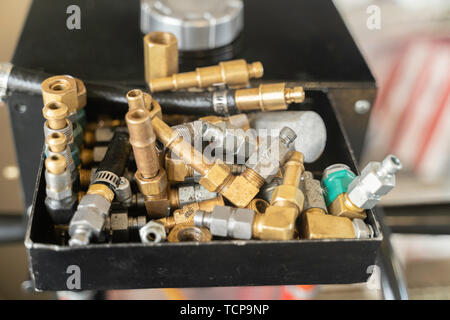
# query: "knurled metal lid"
x,y
197,24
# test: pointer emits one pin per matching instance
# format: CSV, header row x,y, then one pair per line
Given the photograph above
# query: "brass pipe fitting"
x,y
258,205
185,215
160,55
86,157
342,206
235,121
101,190
278,222
216,177
56,143
85,177
268,97
143,141
61,89
56,115
137,99
317,225
81,94
182,233
233,73
150,177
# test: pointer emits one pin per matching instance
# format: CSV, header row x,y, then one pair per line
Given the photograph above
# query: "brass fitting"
x,y
89,138
278,222
55,164
342,206
143,141
216,177
181,233
56,114
233,73
137,99
258,205
185,215
150,177
102,190
268,97
160,55
61,89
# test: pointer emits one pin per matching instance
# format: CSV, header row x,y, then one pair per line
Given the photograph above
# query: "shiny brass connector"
x,y
278,222
182,233
216,177
61,89
258,205
268,97
137,99
56,115
160,55
318,225
185,215
235,121
233,73
342,206
150,177
56,143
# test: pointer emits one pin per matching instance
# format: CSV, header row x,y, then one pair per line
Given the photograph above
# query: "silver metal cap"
x,y
197,24
5,70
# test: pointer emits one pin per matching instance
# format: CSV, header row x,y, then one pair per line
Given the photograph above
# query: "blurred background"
x,y
409,55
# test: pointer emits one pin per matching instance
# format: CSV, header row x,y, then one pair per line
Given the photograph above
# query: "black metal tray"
x,y
218,263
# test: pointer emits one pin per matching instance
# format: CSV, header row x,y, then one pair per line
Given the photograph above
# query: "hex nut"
x,y
240,191
287,193
62,89
215,177
177,169
240,225
152,232
154,186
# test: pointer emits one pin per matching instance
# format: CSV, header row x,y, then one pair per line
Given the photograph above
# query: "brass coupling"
x,y
61,89
278,222
233,73
316,224
342,206
185,215
160,55
137,99
143,142
268,97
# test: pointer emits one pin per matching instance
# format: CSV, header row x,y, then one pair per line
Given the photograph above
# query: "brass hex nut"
x,y
316,225
277,223
342,207
215,177
154,186
240,191
288,194
61,89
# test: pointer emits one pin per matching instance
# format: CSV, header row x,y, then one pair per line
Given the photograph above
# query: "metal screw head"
x,y
288,135
362,106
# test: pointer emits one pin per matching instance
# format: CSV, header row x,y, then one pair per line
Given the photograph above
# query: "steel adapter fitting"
x,y
150,177
216,177
152,232
160,55
268,97
60,201
270,156
120,227
375,181
185,215
226,221
318,225
233,73
278,222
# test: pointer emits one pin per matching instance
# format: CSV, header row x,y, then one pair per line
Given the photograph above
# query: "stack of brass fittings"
x,y
152,177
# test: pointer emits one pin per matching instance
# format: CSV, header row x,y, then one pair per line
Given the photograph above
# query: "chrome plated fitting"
x,y
152,232
376,180
226,221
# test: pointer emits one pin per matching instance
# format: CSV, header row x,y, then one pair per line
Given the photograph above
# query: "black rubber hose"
x,y
117,154
112,97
